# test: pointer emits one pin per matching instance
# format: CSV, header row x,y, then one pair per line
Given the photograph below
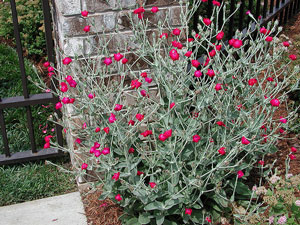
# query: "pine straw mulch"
x,y
107,212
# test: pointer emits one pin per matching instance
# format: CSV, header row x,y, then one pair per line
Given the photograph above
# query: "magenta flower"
x,y
275,102
240,174
197,73
176,32
196,138
222,151
84,13
106,129
188,211
87,28
116,176
118,107
174,54
112,118
245,141
84,166
67,61
106,151
118,197
107,61
152,184
154,9
206,21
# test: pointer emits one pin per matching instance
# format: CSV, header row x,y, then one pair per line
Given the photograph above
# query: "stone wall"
x,y
110,20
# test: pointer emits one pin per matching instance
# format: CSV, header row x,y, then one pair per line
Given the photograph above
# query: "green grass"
x,y
32,181
15,118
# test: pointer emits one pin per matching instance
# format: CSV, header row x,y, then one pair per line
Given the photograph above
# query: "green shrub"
x,y
30,16
178,150
15,118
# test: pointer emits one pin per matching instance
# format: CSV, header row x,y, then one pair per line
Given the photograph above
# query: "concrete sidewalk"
x,y
59,210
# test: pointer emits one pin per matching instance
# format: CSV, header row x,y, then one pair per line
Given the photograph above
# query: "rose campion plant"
x,y
153,157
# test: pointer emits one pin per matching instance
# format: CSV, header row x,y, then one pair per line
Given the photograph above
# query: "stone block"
x,y
98,5
73,46
175,16
161,2
104,22
68,7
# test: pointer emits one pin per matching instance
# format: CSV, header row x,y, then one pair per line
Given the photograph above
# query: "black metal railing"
x,y
266,10
28,100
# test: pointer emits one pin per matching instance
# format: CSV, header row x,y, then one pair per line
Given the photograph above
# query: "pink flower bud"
x,y
116,176
252,81
139,173
143,93
135,84
275,102
283,120
162,137
105,151
131,151
78,141
293,57
144,74
188,53
46,64
245,141
107,61
172,105
87,28
164,35
168,133
139,117
148,80
91,96
106,129
67,61
286,44
237,43
174,54
222,151
292,157
84,13
188,211
195,63
197,73
84,166
152,184
210,73
124,61
118,107
118,56
218,87
269,39
206,21
293,149
154,9
131,122
212,53
112,118
118,197
208,219
220,35
240,174
196,138
176,32
221,124
58,105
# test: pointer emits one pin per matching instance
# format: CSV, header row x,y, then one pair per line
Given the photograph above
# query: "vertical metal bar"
x,y
196,20
50,52
23,72
220,22
265,8
4,133
277,4
290,9
281,18
295,6
209,8
241,15
257,11
271,6
250,8
232,8
19,47
286,11
30,128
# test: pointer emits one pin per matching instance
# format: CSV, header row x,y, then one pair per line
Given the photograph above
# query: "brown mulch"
x,y
98,212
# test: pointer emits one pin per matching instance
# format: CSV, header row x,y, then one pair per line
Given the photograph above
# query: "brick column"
x,y
109,16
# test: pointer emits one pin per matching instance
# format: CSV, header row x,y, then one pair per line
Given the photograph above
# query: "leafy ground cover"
x,y
32,181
